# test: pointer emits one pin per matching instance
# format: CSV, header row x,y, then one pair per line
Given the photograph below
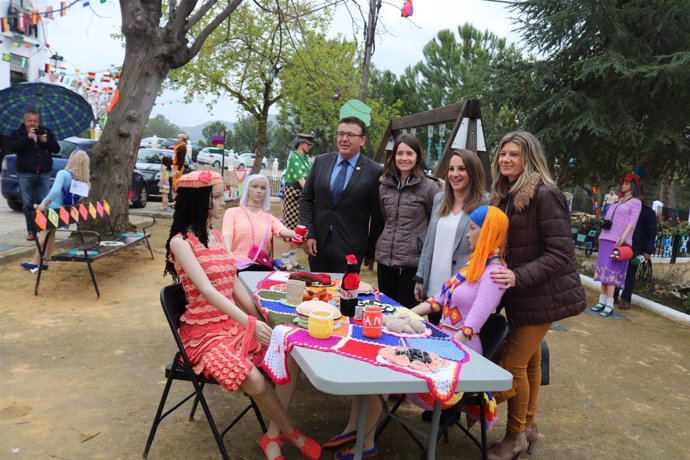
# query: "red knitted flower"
x,y
351,259
205,177
350,281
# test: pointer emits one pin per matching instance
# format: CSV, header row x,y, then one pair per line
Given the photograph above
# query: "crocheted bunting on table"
x,y
275,296
361,350
385,339
446,349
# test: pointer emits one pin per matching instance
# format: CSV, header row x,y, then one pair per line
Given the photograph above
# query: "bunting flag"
x,y
3,25
63,8
91,76
407,9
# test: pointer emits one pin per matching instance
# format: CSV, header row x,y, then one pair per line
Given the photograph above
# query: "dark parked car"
x,y
138,193
149,163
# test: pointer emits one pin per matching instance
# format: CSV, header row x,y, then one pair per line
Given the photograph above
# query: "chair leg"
x,y
157,419
93,279
257,412
149,246
211,421
196,402
482,423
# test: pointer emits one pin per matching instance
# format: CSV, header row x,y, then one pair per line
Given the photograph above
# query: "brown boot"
x,y
624,305
510,447
533,437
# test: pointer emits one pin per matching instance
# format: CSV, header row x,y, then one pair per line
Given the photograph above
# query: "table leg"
x,y
433,435
361,426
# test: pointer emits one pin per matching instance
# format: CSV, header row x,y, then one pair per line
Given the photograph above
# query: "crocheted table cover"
x,y
353,344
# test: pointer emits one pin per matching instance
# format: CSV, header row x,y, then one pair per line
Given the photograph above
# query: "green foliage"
x,y
456,67
247,60
322,78
161,127
672,226
608,86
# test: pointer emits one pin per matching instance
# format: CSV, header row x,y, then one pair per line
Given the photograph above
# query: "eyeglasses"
x,y
348,135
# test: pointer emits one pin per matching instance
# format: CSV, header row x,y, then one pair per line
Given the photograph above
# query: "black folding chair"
x,y
493,335
174,302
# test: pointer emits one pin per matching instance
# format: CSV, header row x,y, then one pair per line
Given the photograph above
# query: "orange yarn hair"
x,y
492,242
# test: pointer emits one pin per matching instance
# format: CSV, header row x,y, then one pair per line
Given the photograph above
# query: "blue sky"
x,y
83,38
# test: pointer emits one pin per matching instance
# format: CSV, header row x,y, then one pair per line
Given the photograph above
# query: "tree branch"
x,y
206,31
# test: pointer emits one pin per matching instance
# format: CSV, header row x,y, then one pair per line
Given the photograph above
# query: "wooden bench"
x,y
92,245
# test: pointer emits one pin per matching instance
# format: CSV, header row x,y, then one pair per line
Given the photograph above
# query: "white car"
x,y
246,161
214,157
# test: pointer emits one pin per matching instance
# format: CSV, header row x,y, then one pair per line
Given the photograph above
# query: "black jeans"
x,y
398,284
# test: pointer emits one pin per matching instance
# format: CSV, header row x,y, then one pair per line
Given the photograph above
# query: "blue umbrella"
x,y
63,111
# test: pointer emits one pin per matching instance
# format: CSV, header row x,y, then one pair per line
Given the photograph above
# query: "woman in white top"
x,y
442,256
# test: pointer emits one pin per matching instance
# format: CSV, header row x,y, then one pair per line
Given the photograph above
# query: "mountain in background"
x,y
194,132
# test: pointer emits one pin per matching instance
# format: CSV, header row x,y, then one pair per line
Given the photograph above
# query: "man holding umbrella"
x,y
33,145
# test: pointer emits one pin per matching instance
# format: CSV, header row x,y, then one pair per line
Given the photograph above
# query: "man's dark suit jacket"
x,y
350,226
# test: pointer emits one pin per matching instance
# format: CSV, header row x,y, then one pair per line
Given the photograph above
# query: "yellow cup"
x,y
320,324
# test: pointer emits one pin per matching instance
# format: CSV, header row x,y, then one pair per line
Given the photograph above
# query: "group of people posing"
x,y
448,249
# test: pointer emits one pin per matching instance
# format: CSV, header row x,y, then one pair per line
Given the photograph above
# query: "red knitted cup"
x,y
300,232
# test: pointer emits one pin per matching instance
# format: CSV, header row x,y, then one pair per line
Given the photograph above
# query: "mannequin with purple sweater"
x,y
623,216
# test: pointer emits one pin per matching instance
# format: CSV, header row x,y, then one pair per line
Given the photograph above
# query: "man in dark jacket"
x,y
33,145
643,243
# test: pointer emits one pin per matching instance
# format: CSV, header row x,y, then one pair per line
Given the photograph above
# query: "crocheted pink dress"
x,y
217,345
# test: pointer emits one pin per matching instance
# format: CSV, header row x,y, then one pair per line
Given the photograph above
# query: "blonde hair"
x,y
491,242
475,194
533,161
78,164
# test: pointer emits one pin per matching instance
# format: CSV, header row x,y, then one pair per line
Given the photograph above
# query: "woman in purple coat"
x,y
623,216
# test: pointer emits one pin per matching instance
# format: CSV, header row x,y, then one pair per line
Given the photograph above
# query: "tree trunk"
x,y
114,156
369,48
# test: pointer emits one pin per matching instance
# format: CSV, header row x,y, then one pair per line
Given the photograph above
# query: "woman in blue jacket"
x,y
76,169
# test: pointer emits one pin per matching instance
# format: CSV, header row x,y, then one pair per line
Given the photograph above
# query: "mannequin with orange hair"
x,y
467,299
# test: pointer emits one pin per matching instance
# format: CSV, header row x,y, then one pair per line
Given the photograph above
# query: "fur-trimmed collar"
x,y
522,198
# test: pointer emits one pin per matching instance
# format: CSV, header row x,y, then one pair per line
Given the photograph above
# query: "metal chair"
x,y
493,336
174,302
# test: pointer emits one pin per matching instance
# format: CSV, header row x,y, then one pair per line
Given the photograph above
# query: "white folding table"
x,y
339,375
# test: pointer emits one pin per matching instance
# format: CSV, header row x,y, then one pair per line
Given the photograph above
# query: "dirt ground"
x,y
82,378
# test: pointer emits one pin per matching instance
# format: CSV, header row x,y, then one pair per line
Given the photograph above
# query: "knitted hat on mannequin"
x,y
198,179
491,242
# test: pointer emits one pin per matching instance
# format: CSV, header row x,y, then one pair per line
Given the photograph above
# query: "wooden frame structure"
x,y
467,133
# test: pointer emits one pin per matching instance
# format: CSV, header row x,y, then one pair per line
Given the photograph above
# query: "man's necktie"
x,y
339,183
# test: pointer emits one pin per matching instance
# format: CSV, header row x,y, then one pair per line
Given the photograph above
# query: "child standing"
x,y
164,183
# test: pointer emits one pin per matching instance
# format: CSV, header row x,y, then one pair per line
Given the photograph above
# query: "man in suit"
x,y
339,204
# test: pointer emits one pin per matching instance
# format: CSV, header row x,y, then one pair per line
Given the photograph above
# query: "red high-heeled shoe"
x,y
265,441
310,448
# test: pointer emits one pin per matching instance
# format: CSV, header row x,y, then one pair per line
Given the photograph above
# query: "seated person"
x,y
466,301
251,225
77,169
221,328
